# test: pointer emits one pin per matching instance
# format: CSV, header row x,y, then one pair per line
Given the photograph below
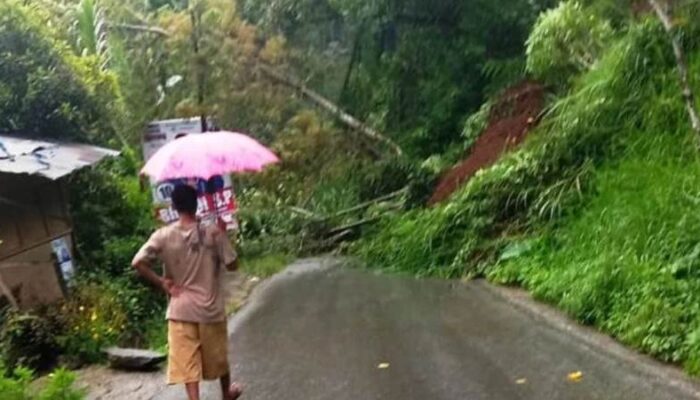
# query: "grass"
x,y
596,213
628,262
264,266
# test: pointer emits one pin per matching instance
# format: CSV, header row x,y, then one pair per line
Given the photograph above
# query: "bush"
x,y
15,385
106,243
566,41
29,340
58,386
94,319
100,312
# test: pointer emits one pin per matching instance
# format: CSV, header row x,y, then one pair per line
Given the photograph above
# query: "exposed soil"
x,y
513,116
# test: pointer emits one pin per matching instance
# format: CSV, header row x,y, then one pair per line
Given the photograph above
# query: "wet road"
x,y
321,332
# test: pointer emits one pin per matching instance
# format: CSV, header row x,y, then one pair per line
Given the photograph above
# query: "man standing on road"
x,y
194,257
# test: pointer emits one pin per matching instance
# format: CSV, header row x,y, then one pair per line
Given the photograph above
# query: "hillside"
x,y
511,118
596,212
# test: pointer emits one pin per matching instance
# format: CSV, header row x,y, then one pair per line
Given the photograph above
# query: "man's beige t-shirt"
x,y
194,257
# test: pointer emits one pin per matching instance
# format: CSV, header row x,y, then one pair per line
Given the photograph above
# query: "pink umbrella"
x,y
207,155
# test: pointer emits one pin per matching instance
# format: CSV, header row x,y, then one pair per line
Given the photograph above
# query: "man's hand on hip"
x,y
171,288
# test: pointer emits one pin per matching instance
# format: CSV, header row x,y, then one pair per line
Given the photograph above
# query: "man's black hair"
x,y
184,199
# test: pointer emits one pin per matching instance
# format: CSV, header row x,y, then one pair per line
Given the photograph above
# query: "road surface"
x,y
318,331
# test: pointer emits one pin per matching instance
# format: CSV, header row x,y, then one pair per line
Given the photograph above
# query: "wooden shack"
x,y
36,246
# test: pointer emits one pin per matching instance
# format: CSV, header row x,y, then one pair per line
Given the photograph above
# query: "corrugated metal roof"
x,y
50,159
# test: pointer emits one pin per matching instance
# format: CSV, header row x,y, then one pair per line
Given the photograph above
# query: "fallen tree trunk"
x,y
354,225
305,213
331,107
138,28
664,16
367,204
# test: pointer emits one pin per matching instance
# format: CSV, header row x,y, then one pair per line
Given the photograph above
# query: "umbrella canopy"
x,y
207,155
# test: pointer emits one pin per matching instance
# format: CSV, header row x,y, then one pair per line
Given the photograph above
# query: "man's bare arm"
x,y
164,284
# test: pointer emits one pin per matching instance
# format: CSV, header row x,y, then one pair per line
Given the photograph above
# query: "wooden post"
x,y
5,291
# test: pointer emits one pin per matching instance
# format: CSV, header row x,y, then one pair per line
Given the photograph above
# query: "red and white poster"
x,y
217,200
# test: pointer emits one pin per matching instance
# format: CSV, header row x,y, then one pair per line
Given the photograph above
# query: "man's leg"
x,y
230,391
184,357
192,390
214,358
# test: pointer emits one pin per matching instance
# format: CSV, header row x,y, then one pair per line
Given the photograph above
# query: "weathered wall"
x,y
32,213
35,213
32,283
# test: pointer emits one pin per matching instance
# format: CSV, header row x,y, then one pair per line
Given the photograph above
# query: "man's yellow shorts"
x,y
197,351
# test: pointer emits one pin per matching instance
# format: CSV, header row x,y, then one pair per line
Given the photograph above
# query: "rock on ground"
x,y
134,359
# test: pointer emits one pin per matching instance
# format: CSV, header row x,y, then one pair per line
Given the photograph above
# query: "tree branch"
x,y
138,28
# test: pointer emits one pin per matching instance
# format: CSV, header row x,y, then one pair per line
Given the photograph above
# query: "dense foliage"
x,y
97,71
595,213
566,41
414,69
44,88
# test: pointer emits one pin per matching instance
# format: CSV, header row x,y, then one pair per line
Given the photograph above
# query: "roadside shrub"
x,y
93,318
59,385
29,340
105,244
98,314
15,385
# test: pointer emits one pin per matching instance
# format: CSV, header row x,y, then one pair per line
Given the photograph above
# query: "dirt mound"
x,y
511,118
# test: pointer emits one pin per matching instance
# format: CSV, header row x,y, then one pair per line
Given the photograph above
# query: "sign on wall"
x,y
216,199
63,256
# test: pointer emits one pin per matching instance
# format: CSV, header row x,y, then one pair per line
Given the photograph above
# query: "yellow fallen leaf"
x,y
383,365
521,381
575,376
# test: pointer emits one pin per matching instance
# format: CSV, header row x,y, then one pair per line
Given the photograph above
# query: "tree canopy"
x,y
45,89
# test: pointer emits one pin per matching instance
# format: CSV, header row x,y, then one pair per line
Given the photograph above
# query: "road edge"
x,y
593,339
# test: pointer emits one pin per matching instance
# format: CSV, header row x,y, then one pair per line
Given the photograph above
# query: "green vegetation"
x,y
58,386
565,41
593,213
265,266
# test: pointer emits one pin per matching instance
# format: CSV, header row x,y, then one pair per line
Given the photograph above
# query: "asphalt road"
x,y
318,332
